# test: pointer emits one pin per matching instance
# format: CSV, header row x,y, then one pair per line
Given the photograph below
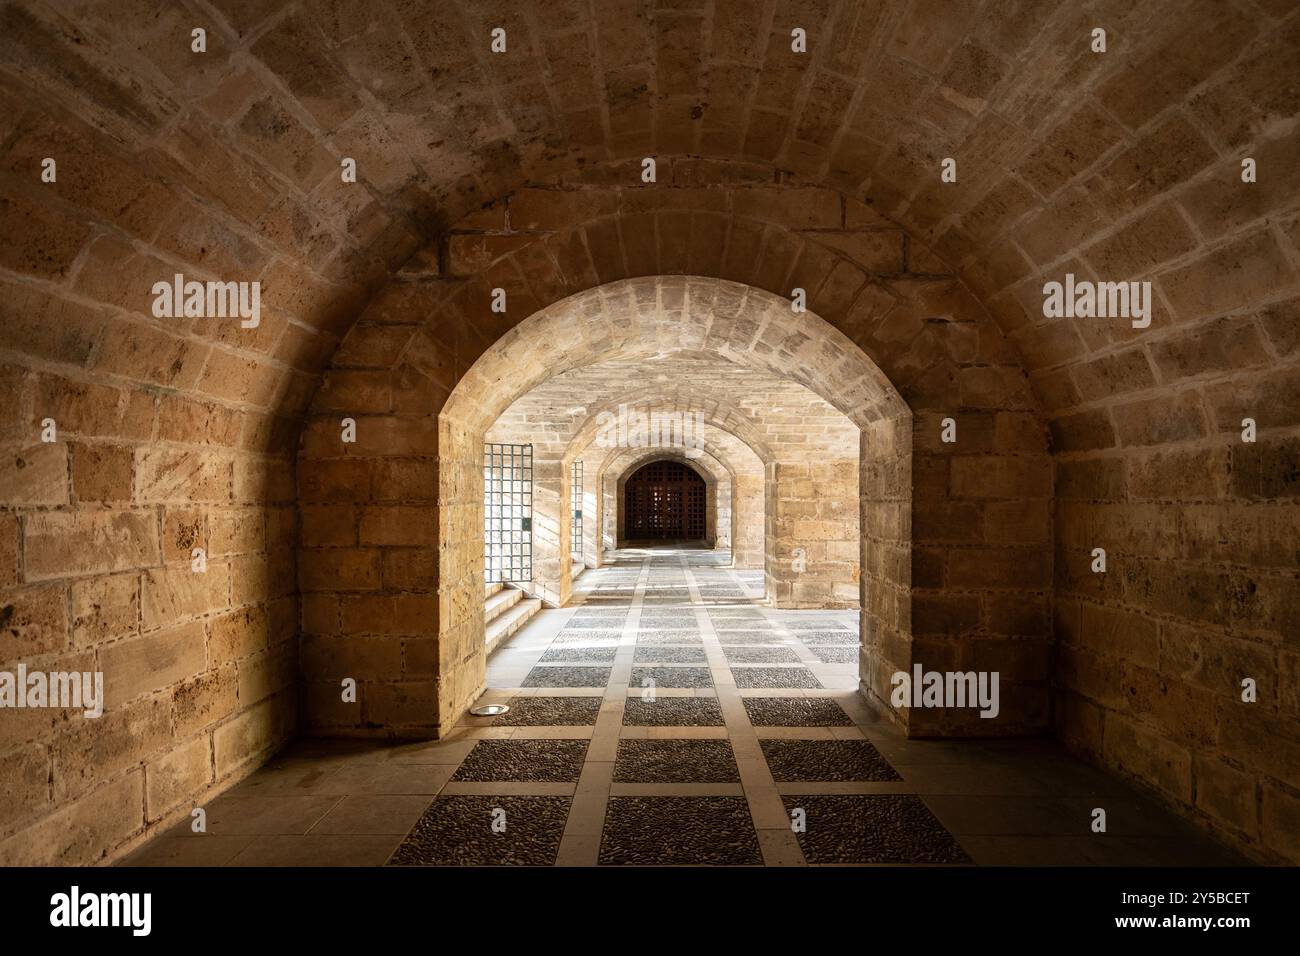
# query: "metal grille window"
x,y
507,512
575,547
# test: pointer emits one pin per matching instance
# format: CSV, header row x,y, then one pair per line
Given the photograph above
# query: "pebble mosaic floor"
x,y
667,717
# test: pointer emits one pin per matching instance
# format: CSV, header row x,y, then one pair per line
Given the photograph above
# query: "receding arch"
x,y
738,475
719,414
648,319
583,411
833,435
674,313
926,336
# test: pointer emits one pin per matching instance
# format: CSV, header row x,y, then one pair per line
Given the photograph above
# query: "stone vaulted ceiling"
x,y
740,399
230,159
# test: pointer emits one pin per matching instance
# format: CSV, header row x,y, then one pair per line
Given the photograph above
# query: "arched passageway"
x,y
325,457
676,321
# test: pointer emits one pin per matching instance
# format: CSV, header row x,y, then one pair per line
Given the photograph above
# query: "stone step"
x,y
500,601
503,626
577,569
493,588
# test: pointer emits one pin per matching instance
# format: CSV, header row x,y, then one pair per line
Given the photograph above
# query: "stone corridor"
x,y
339,342
667,718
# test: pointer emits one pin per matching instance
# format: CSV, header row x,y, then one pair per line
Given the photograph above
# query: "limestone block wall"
x,y
1200,592
459,639
166,435
749,525
552,530
99,575
888,567
368,570
592,511
812,532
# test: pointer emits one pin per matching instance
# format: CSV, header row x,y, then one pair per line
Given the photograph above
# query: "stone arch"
x,y
731,499
922,330
729,436
715,474
745,470
841,569
569,436
643,318
734,464
719,414
710,483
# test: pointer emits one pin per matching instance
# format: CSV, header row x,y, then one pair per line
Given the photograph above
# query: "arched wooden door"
x,y
664,500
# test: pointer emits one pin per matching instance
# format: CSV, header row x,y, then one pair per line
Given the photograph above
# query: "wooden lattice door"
x,y
665,500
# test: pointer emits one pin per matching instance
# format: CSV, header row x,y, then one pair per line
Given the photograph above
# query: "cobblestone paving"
x,y
829,637
458,831
728,638
584,654
877,828
832,760
549,712
669,655
795,712
835,654
667,831
524,760
672,712
774,677
675,761
672,677
669,637
561,676
588,637
760,655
